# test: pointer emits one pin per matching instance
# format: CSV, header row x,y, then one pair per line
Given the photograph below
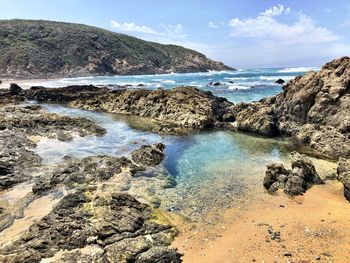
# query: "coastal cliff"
x,y
314,109
41,49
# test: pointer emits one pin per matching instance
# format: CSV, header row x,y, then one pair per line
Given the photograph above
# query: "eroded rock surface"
x,y
294,182
120,229
18,127
149,155
184,107
343,172
314,109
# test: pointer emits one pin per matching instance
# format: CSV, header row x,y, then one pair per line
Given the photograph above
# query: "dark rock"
x,y
149,155
117,224
216,84
343,172
280,81
15,89
294,182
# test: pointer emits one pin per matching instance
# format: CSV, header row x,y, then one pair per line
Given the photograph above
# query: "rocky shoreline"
x,y
97,218
94,219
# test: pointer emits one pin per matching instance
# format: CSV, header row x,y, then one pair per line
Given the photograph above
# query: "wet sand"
x,y
313,228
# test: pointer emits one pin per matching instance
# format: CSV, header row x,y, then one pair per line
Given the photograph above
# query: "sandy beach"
x,y
311,229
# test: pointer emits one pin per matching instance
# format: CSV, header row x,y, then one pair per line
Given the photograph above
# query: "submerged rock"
x,y
294,182
343,172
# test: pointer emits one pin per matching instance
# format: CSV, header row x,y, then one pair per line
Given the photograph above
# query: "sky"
x,y
242,34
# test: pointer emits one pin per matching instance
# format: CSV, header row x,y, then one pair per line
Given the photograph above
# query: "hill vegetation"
x,y
38,48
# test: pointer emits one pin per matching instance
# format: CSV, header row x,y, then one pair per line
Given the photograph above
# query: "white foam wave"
x,y
299,69
237,87
274,78
168,81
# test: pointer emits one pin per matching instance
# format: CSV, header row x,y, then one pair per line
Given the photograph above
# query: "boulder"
x,y
343,172
15,89
280,81
149,155
294,182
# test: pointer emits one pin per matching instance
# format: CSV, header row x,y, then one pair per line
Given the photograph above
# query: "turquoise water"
x,y
236,86
211,168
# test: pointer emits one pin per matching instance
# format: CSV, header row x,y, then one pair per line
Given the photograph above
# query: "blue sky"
x,y
249,33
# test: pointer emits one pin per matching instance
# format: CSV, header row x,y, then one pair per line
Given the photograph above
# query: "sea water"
x,y
236,86
211,168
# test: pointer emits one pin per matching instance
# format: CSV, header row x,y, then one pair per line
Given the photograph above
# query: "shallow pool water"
x,y
211,168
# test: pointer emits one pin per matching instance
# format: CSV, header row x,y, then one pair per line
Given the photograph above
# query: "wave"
x,y
237,78
168,81
298,69
238,87
274,78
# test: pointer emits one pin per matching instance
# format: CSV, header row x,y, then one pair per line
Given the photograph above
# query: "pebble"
x,y
287,254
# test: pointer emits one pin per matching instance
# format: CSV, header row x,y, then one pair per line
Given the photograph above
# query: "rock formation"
x,y
343,172
314,109
176,109
19,125
95,227
294,182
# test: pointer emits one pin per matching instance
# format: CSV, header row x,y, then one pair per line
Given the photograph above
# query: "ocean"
x,y
236,86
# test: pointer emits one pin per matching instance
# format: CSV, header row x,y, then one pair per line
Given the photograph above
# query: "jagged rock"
x,y
121,228
18,123
280,81
215,84
184,107
294,182
76,172
257,117
343,172
15,89
314,109
149,155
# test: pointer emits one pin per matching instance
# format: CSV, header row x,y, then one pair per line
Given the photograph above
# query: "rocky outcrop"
x,y
18,127
294,182
314,109
33,120
95,227
149,155
256,117
280,81
177,109
343,172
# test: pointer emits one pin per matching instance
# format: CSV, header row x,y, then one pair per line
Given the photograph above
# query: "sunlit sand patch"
x,y
34,212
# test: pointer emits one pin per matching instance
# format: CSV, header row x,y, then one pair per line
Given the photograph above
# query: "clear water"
x,y
211,168
237,86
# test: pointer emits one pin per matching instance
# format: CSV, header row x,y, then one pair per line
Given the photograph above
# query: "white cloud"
x,y
265,27
212,24
174,31
132,27
276,11
169,31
